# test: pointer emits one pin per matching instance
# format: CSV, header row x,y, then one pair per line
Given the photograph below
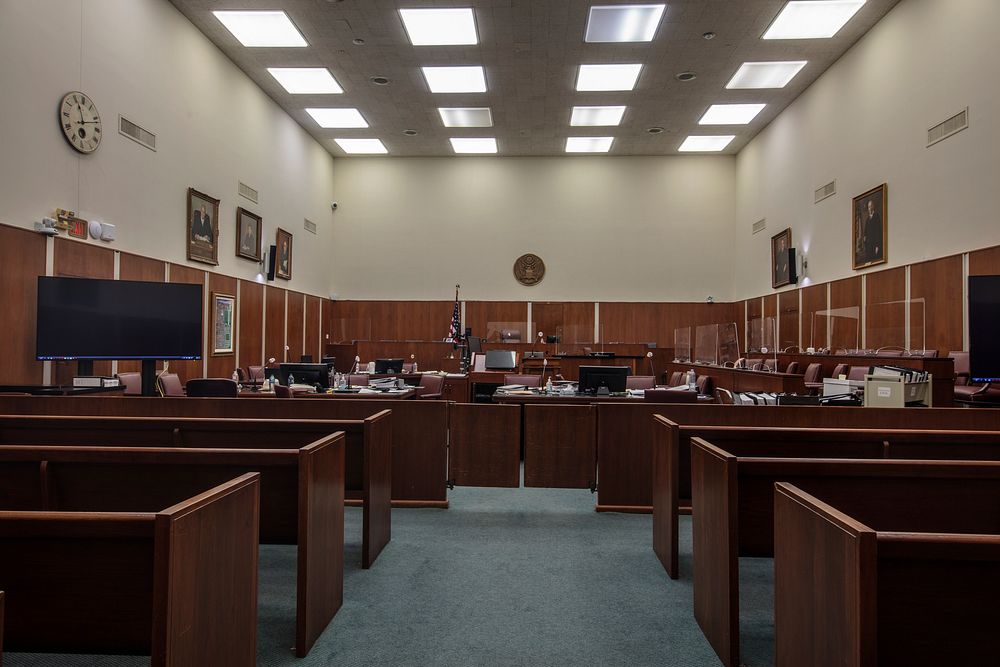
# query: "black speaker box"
x,y
272,253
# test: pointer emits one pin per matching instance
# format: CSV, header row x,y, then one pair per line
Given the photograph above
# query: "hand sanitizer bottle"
x,y
692,379
548,385
291,379
271,382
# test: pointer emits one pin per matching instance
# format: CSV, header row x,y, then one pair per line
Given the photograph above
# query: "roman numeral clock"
x,y
80,122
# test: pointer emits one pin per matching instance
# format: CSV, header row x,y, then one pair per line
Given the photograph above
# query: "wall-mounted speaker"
x,y
792,267
272,253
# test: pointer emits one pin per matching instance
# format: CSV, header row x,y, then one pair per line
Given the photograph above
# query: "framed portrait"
x,y
283,263
202,227
223,312
248,226
781,272
869,224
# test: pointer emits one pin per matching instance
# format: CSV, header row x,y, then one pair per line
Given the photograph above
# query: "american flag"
x,y
455,331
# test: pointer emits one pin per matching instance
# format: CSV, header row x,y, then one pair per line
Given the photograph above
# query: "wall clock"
x,y
80,122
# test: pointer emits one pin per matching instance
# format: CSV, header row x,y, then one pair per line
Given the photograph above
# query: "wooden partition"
x,y
887,589
81,582
485,445
419,428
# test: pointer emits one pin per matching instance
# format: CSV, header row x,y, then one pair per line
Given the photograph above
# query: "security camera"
x,y
710,299
333,206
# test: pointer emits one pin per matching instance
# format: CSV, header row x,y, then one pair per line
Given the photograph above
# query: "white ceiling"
x,y
531,50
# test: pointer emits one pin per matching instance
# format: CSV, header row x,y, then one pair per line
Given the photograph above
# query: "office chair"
x,y
132,383
640,382
170,384
281,391
430,387
526,380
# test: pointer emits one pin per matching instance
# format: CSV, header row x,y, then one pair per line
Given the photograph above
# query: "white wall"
x,y
864,123
143,59
608,228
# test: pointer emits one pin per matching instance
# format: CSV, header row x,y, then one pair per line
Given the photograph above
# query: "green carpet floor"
x,y
504,578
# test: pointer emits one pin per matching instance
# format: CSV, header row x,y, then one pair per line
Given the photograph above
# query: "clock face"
x,y
80,122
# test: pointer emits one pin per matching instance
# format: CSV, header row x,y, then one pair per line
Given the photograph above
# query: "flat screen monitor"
x,y
593,378
86,318
501,360
475,344
388,366
311,374
984,328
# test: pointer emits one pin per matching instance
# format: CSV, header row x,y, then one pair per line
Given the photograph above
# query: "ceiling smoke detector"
x,y
410,133
686,76
357,41
380,80
655,130
708,35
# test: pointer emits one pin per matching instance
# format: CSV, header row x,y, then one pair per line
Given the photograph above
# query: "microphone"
x,y
413,363
545,367
357,362
652,371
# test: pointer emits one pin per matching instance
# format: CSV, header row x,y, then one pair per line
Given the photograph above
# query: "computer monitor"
x,y
383,366
593,378
501,360
311,374
475,344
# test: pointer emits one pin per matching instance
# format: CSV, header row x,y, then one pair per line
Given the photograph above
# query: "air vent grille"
x,y
248,193
760,225
953,125
825,191
310,226
141,136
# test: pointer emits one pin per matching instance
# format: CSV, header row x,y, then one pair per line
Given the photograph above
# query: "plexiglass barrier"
x,y
682,344
706,345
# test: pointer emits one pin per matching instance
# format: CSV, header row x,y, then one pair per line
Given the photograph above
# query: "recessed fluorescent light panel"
x,y
588,144
731,114
473,144
703,144
261,28
623,23
306,80
455,79
765,75
362,146
812,19
338,117
607,77
440,27
466,117
596,116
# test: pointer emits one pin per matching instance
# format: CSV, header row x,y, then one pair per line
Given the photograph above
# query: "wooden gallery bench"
x,y
302,500
672,459
733,513
912,584
367,453
179,584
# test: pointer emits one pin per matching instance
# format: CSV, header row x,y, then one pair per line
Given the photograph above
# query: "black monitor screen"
x,y
311,374
84,318
984,328
501,360
475,344
593,378
388,366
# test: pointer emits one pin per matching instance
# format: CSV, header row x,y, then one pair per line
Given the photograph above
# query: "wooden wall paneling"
x,y
885,308
788,319
251,324
421,320
81,260
770,313
274,324
549,318
24,261
938,319
478,314
814,301
578,317
220,366
186,370
296,311
845,304
755,324
985,262
137,267
313,304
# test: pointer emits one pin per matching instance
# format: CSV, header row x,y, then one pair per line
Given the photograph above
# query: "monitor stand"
x,y
84,367
603,390
149,377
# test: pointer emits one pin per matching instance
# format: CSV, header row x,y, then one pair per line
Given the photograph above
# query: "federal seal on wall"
x,y
529,269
